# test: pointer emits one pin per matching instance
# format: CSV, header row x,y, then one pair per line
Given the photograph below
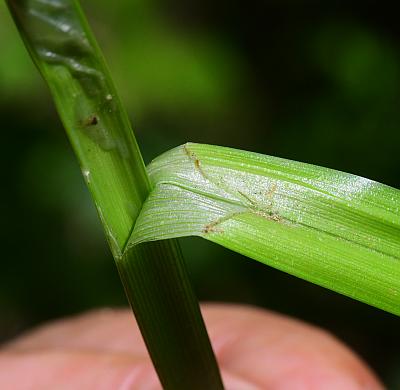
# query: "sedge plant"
x,y
331,228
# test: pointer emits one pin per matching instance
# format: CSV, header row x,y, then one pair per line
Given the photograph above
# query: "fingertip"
x,y
60,369
277,352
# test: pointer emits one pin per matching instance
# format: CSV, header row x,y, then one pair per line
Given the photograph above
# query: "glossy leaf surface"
x,y
332,228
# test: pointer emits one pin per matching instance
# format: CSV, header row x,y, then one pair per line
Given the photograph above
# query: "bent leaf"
x,y
331,228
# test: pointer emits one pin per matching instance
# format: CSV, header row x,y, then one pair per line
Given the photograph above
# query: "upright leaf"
x,y
154,275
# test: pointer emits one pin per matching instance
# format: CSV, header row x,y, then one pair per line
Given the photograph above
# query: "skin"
x,y
256,349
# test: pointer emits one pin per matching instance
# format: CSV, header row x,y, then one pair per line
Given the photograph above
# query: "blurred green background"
x,y
310,81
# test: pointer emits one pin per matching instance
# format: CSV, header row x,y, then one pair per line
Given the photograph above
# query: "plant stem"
x,y
182,356
154,274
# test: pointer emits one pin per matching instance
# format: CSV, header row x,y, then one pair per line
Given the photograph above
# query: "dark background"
x,y
309,81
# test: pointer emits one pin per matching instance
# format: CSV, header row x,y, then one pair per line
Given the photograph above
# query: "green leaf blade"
x,y
332,228
66,53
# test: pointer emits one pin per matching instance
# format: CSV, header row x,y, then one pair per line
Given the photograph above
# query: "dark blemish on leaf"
x,y
92,127
192,156
91,121
270,215
187,151
276,217
212,227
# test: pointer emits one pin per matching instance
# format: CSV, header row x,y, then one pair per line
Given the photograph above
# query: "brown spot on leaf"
x,y
212,228
271,216
195,160
92,120
271,192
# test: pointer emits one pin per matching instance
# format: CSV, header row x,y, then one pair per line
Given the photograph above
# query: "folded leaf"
x,y
331,228
62,46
